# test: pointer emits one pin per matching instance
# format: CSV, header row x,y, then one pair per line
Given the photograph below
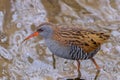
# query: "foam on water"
x,y
5,53
1,20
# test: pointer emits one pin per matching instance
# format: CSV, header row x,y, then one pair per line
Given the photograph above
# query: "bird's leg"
x,y
54,61
97,67
78,69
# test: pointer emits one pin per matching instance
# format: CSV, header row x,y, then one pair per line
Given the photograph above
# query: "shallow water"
x,y
31,60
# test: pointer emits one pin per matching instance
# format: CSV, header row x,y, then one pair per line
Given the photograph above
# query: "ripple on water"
x,y
29,64
5,53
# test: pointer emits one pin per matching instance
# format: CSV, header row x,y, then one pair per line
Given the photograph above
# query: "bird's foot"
x,y
97,74
70,78
75,79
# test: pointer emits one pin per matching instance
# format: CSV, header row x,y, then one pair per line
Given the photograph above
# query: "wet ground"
x,y
32,60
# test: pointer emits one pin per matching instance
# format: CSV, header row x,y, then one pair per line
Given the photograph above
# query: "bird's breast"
x,y
57,49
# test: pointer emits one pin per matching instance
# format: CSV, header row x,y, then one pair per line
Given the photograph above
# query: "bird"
x,y
72,43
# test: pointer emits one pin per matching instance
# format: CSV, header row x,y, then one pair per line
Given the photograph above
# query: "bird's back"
x,y
88,40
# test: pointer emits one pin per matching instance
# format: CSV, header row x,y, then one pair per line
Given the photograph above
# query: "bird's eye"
x,y
40,30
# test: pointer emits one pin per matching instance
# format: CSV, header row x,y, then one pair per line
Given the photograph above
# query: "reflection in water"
x,y
32,60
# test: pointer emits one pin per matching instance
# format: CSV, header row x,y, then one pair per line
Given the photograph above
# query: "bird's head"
x,y
44,30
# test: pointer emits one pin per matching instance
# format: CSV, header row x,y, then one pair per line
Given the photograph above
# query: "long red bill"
x,y
32,35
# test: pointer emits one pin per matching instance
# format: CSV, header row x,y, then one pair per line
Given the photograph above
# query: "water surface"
x,y
32,60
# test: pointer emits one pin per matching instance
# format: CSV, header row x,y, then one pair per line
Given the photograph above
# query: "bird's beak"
x,y
30,36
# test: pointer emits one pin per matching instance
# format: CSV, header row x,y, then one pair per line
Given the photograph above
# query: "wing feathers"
x,y
86,39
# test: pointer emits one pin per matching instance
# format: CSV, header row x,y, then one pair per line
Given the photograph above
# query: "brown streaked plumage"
x,y
72,42
88,40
